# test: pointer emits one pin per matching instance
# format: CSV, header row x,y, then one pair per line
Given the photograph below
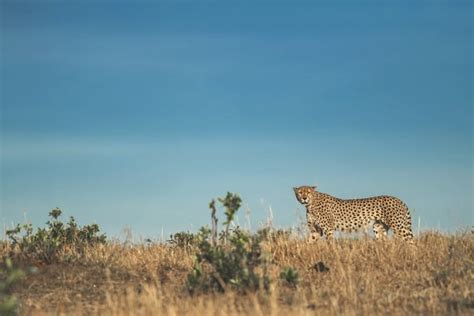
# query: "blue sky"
x,y
136,114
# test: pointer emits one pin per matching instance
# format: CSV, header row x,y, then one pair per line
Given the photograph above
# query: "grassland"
x,y
365,277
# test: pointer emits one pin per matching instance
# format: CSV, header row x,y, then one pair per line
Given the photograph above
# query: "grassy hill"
x,y
347,276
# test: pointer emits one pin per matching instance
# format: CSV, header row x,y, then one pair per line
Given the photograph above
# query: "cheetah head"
x,y
304,193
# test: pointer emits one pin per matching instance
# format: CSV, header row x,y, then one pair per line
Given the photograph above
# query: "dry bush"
x,y
347,276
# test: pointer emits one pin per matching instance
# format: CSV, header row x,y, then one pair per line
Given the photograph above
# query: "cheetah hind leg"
x,y
380,230
403,233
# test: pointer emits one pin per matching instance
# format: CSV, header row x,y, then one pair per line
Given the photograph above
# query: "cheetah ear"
x,y
313,187
295,189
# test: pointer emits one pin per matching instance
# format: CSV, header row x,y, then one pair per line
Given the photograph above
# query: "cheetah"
x,y
326,213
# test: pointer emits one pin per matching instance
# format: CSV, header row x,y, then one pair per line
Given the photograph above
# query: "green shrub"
x,y
239,264
235,261
289,276
47,243
9,276
183,240
231,204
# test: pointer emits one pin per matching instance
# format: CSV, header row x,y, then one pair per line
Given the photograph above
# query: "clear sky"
x,y
136,114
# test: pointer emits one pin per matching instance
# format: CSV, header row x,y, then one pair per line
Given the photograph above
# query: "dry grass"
x,y
366,277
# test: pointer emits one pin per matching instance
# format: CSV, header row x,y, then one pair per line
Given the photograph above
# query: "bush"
x,y
238,265
9,276
58,237
183,240
235,261
289,276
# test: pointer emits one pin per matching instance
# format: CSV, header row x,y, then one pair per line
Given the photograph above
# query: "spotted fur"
x,y
326,213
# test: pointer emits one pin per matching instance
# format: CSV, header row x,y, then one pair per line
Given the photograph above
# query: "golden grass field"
x,y
365,277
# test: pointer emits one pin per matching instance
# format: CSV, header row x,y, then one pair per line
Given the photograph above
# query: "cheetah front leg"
x,y
314,229
315,232
329,234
